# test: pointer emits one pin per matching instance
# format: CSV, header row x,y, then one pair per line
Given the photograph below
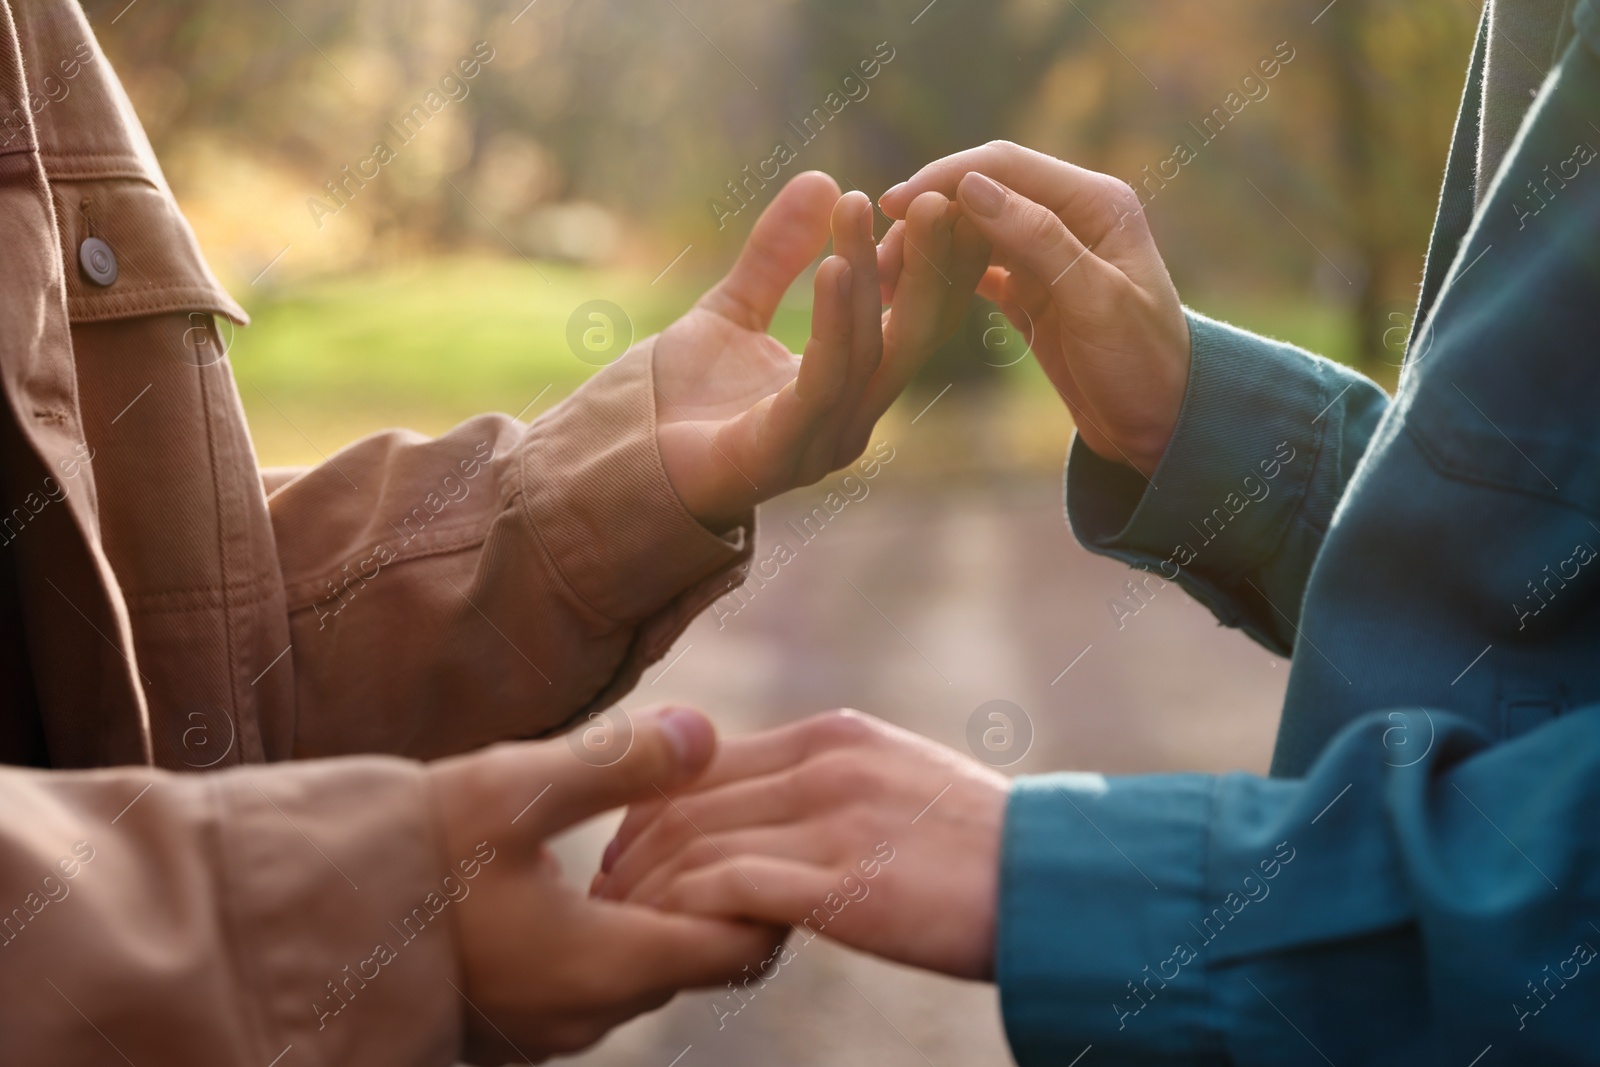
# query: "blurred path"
x,y
961,596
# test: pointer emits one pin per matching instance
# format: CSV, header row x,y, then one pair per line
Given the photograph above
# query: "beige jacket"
x,y
163,608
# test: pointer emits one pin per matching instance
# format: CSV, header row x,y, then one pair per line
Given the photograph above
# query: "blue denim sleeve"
x,y
1377,911
1267,438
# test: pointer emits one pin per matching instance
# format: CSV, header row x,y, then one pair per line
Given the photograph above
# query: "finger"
x,y
777,890
807,842
1031,234
890,251
913,322
852,238
788,236
768,800
784,429
755,755
649,951
669,747
825,364
1089,199
969,261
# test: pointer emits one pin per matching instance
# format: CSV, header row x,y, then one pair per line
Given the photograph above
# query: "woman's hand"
x,y
1077,272
739,418
840,824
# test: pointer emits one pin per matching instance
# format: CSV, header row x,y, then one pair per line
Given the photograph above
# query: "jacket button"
x,y
98,261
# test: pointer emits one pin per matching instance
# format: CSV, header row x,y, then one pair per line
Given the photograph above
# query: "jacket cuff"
x,y
1101,884
612,524
1235,471
338,899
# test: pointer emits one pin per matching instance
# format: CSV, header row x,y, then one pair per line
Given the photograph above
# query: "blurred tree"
x,y
1391,86
641,112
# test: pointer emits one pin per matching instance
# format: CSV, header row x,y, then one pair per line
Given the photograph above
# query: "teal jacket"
x,y
1419,880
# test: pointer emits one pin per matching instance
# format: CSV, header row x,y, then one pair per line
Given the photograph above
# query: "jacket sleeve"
x,y
1385,909
1266,441
230,918
494,582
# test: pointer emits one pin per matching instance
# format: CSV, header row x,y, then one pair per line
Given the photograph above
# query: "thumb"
x,y
788,236
611,760
1029,234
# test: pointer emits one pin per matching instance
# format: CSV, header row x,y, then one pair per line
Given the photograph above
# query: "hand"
x,y
739,418
841,824
1078,273
546,971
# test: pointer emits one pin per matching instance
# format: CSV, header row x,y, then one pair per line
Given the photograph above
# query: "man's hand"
x,y
840,807
546,971
739,418
1078,273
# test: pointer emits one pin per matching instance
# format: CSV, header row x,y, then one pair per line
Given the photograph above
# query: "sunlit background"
x,y
589,156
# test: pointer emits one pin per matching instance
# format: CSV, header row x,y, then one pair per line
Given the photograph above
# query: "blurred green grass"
x,y
431,343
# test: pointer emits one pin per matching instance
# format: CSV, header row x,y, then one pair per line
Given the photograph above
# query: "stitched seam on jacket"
x,y
520,499
230,891
218,513
94,167
1442,468
202,599
446,544
128,158
97,307
1318,443
450,539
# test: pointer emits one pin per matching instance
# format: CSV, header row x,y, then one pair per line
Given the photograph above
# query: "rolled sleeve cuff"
x,y
1235,471
1101,886
597,493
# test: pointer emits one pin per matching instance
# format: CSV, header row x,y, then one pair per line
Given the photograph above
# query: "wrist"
x,y
695,473
1144,442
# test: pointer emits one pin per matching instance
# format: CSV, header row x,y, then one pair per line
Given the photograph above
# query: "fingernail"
x,y
608,858
891,191
982,195
684,730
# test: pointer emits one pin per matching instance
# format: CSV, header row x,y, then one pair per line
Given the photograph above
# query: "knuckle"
x,y
841,726
842,774
1116,189
1040,227
1121,201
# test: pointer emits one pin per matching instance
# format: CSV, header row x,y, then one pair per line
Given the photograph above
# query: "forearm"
x,y
494,582
1267,439
1191,918
220,919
